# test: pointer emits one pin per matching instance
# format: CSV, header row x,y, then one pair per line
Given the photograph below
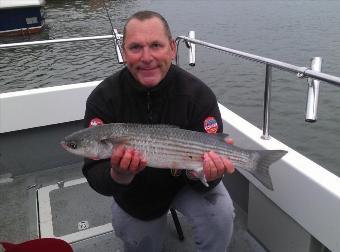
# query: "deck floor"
x,y
18,213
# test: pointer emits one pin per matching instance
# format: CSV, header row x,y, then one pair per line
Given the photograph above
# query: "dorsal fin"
x,y
138,125
163,126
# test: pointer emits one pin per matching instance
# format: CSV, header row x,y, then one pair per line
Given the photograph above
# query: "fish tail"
x,y
263,159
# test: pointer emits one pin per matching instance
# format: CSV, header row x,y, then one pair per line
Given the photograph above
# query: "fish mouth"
x,y
67,147
63,144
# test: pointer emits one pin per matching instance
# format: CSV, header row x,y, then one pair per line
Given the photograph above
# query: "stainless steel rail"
x,y
313,92
313,74
53,41
115,37
304,71
270,63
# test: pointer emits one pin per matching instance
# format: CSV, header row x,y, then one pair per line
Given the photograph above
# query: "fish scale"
x,y
181,147
168,146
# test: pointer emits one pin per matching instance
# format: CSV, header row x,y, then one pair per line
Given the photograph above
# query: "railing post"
x,y
313,92
266,105
192,50
117,47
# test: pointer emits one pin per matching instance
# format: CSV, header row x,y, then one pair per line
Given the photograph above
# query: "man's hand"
x,y
125,164
215,166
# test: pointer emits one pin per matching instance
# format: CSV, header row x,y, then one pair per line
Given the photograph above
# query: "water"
x,y
292,31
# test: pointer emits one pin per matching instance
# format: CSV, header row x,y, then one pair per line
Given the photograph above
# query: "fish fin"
x,y
163,126
141,126
199,173
263,159
166,125
201,176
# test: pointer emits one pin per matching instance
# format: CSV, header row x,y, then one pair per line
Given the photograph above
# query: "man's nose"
x,y
146,55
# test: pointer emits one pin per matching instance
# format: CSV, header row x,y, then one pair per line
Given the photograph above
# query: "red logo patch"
x,y
95,122
210,125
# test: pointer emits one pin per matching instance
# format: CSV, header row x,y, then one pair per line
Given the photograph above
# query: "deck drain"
x,y
83,225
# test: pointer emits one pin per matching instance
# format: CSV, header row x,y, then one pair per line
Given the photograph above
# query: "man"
x,y
151,90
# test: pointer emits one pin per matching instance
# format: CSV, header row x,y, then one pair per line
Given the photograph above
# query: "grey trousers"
x,y
210,214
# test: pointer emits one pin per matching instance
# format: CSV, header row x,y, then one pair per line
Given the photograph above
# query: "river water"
x,y
292,31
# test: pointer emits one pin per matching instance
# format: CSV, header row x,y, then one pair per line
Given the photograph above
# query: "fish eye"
x,y
72,145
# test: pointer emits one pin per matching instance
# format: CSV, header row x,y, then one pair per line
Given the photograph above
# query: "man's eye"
x,y
135,47
156,45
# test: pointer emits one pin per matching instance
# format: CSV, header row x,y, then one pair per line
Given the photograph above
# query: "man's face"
x,y
148,51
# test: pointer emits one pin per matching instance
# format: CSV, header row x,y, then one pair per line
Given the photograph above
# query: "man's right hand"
x,y
125,164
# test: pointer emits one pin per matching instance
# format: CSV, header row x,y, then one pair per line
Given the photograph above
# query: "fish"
x,y
170,147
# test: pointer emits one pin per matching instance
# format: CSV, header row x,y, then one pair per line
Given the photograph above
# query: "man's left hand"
x,y
215,166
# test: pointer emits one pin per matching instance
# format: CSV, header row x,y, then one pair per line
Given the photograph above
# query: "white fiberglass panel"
x,y
309,193
44,106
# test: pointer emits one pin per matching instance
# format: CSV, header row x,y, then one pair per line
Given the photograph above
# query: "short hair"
x,y
144,15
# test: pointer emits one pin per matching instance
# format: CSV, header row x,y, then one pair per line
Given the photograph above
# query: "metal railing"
x,y
313,73
115,37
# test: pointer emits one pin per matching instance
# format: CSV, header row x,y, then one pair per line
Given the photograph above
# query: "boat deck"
x,y
72,204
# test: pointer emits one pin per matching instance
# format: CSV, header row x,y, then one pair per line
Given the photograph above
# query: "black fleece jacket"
x,y
179,99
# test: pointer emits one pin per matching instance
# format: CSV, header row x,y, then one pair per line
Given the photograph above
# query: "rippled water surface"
x,y
292,31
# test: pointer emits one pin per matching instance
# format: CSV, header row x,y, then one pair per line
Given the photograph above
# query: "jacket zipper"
x,y
148,106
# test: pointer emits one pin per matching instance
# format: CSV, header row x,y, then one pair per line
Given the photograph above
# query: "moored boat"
x,y
21,17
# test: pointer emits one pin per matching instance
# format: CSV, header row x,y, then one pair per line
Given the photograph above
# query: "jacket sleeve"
x,y
97,172
206,108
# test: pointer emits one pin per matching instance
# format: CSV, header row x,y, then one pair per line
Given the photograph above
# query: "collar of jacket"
x,y
163,84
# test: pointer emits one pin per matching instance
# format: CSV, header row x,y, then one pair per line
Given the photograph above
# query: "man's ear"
x,y
173,48
123,55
